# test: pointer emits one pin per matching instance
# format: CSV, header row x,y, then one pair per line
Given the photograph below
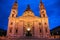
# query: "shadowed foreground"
x,y
28,38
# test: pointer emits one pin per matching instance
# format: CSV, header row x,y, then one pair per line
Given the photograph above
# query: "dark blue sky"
x,y
52,8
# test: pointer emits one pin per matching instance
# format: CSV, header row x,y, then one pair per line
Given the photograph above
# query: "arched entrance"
x,y
28,32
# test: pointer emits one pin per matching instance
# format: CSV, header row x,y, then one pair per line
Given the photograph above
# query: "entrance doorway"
x,y
28,33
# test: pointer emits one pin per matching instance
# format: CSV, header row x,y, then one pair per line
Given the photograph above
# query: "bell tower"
x,y
44,20
14,10
12,17
42,9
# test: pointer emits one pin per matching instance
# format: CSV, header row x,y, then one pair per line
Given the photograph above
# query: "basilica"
x,y
28,26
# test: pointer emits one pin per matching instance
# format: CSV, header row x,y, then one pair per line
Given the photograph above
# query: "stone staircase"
x,y
31,38
25,38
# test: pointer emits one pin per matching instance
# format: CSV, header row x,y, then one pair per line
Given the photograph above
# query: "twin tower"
x,y
28,24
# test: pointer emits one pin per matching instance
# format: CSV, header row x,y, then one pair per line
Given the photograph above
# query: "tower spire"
x,y
40,1
28,7
15,1
42,10
14,9
15,6
41,5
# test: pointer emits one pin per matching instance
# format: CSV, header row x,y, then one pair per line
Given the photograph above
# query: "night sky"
x,y
52,9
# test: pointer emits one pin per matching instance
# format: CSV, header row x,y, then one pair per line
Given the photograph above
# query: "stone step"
x,y
30,38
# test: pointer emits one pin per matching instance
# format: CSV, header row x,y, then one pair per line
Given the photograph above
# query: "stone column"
x,y
36,29
20,31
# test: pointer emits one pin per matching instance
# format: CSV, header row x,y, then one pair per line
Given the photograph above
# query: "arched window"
x,y
42,12
16,15
45,23
13,11
16,30
12,15
46,30
11,23
43,15
24,30
40,30
10,31
39,23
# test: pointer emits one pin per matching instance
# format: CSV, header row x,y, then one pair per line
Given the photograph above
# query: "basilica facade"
x,y
28,24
